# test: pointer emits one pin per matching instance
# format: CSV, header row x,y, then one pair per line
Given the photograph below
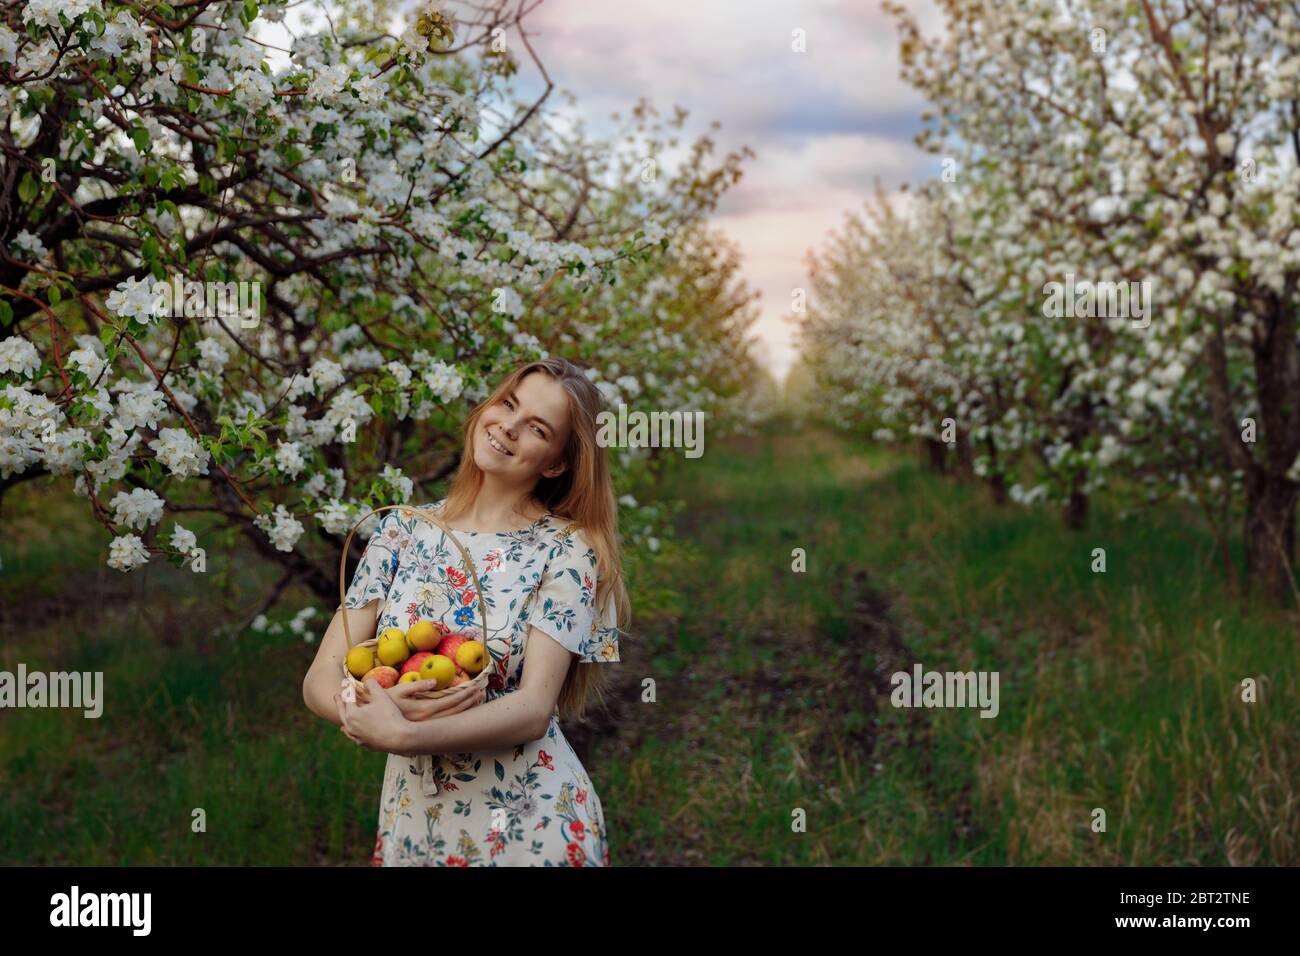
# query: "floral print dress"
x,y
531,804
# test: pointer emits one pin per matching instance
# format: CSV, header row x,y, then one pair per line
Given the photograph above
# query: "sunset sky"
x,y
824,124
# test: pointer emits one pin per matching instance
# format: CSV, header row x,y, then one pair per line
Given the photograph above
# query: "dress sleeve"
x,y
565,602
378,567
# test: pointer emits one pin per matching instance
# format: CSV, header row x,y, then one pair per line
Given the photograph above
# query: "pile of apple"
x,y
424,652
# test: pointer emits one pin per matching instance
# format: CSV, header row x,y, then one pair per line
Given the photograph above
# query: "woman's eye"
x,y
540,433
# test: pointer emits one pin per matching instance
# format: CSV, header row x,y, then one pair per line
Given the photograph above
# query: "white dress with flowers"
x,y
531,804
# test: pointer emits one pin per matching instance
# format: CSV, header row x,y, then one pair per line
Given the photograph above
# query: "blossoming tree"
x,y
387,228
1143,143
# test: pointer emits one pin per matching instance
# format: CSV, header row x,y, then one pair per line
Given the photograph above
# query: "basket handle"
x,y
429,517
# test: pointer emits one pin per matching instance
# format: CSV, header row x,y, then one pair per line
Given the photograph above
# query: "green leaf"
x,y
28,188
54,295
6,312
501,771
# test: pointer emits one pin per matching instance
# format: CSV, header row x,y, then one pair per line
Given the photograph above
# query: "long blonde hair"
x,y
583,493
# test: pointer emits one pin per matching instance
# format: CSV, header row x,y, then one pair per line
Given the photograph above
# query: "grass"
x,y
752,698
1119,691
204,754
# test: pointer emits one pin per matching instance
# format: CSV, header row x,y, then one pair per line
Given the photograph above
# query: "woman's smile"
x,y
497,445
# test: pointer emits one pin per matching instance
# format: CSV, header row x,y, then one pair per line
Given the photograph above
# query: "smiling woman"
x,y
487,780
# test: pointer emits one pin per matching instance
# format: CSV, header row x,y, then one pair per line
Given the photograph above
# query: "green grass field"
x,y
1118,691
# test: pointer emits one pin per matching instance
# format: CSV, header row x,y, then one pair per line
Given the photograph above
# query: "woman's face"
x,y
521,437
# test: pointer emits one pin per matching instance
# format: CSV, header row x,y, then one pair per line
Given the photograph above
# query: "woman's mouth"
x,y
497,445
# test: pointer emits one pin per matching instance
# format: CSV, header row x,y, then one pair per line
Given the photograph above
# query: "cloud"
x,y
823,172
825,124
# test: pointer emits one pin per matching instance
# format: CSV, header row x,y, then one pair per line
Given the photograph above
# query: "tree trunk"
x,y
1076,507
999,486
936,456
1269,535
965,457
997,481
1269,527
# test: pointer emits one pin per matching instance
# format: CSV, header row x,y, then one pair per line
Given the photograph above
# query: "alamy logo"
x,y
1091,300
57,689
652,430
210,300
946,689
102,909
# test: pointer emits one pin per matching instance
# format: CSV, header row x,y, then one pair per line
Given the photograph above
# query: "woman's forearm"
x,y
323,682
508,721
319,699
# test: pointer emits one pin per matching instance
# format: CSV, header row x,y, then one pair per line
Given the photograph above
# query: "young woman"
x,y
483,778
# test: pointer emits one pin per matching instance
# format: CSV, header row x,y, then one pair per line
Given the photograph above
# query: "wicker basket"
x,y
355,690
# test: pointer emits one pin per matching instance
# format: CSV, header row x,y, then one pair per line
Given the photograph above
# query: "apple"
x,y
460,678
422,636
392,648
410,677
450,644
387,676
414,661
360,660
471,656
438,668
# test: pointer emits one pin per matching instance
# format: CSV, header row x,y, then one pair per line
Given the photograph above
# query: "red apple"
x,y
450,644
385,675
415,660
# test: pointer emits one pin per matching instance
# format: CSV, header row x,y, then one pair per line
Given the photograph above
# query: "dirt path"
x,y
768,676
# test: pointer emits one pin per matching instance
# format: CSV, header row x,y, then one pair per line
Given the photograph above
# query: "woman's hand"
x,y
376,724
416,708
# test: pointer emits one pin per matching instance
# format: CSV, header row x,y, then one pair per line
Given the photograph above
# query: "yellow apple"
x,y
360,660
471,656
410,677
392,648
440,669
423,636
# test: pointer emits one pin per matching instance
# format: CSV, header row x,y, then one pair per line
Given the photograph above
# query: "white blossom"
x,y
137,509
126,553
282,528
19,357
181,453
445,381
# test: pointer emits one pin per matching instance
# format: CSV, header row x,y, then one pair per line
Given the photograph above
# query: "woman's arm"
x,y
325,675
509,720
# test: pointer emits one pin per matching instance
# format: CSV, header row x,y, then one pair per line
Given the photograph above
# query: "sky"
x,y
825,124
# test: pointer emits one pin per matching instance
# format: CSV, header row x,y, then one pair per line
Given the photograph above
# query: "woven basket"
x,y
354,689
